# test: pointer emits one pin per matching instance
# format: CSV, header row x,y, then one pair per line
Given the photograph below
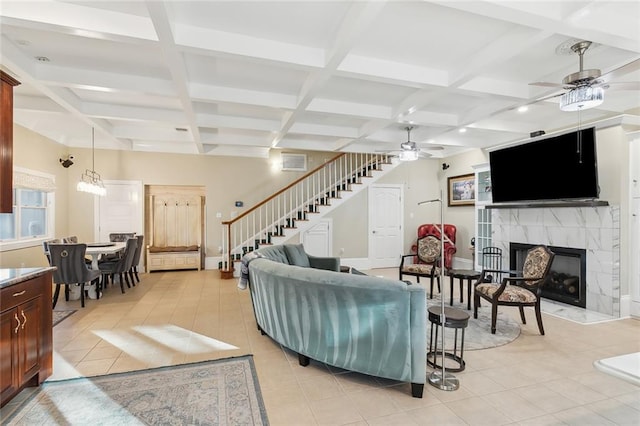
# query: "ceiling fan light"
x,y
580,98
408,155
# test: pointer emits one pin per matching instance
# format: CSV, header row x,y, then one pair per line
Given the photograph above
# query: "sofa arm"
x,y
326,263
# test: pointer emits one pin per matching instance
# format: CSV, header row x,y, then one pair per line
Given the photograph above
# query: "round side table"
x,y
456,319
463,274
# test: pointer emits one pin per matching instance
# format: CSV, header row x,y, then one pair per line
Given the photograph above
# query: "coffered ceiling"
x,y
241,77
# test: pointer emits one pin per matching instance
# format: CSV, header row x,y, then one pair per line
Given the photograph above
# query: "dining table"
x,y
95,250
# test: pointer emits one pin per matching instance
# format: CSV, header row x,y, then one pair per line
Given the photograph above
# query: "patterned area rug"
x,y
221,392
478,335
59,316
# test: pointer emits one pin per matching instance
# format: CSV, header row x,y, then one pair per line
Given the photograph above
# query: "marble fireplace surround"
x,y
595,229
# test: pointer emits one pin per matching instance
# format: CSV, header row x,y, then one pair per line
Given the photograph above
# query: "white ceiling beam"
x,y
25,68
555,21
175,64
228,121
321,129
394,71
77,19
209,41
349,108
359,17
36,103
229,139
207,93
133,113
75,78
151,132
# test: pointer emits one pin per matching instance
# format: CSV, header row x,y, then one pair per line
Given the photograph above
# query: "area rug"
x,y
221,392
478,335
59,316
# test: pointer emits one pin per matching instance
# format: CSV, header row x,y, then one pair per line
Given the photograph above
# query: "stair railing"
x,y
272,216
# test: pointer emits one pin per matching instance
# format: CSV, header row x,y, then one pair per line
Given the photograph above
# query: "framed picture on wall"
x,y
462,190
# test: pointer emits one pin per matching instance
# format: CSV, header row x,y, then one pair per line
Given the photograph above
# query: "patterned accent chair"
x,y
428,254
449,240
518,291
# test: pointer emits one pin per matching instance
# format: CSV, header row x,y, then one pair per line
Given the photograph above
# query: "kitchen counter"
x,y
13,276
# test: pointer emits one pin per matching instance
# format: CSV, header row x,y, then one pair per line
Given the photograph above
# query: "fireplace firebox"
x,y
566,281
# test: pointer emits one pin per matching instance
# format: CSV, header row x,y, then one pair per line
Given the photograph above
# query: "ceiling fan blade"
x,y
619,72
619,85
556,95
433,148
546,84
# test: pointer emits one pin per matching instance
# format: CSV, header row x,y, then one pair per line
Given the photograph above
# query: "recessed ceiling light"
x,y
523,108
42,59
463,130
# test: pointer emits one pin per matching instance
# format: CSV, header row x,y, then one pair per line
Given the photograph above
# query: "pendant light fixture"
x,y
90,180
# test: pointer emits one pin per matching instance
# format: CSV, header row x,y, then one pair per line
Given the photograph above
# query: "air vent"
x,y
294,162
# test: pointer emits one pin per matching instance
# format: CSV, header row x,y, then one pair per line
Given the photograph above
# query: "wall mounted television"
x,y
557,168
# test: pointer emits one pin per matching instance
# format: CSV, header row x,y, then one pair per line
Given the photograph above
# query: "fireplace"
x,y
566,281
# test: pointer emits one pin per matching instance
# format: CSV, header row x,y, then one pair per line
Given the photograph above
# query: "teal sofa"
x,y
361,323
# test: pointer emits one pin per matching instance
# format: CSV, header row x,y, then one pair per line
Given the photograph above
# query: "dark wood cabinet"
x,y
6,141
25,335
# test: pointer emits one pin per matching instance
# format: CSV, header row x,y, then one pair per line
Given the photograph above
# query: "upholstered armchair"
x,y
449,239
517,291
428,263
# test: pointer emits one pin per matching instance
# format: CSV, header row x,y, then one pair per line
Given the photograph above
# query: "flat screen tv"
x,y
557,168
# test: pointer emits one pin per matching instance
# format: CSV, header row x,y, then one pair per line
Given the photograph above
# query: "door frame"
x,y
371,208
96,205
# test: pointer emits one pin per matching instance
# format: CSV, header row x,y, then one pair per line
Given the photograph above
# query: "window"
x,y
32,218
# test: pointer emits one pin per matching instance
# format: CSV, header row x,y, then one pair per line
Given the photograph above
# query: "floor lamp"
x,y
441,379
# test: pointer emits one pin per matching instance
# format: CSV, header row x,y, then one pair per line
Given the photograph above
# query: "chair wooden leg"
x,y
82,295
539,318
121,283
98,287
55,296
126,278
135,271
522,317
417,389
66,292
476,304
494,317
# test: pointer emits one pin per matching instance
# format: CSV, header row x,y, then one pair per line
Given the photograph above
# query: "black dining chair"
x,y
45,247
120,266
71,269
136,258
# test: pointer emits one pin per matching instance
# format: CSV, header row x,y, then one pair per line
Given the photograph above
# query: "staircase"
x,y
299,205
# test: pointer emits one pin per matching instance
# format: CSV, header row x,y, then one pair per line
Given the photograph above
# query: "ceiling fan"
x,y
409,150
585,88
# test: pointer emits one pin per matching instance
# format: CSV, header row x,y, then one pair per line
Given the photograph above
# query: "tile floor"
x,y
178,317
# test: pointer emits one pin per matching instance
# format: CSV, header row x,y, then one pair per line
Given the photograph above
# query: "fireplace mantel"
x,y
548,204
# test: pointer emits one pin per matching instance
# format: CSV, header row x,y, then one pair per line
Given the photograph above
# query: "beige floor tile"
x,y
512,405
335,411
580,416
477,411
190,316
435,415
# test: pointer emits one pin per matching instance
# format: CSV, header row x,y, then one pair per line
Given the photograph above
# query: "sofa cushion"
x,y
275,253
296,255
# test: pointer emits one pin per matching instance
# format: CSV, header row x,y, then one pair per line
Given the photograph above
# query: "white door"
x,y
634,258
317,239
385,225
634,241
121,210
